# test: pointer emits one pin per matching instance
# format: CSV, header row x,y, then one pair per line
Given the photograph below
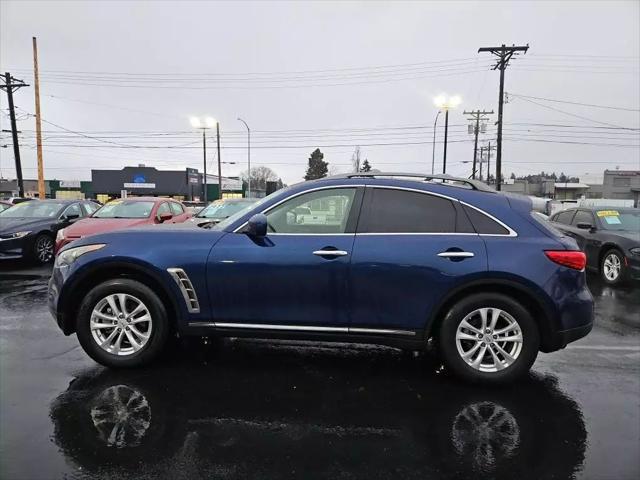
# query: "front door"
x,y
411,249
297,276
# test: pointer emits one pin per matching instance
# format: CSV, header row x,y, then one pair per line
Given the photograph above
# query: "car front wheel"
x,y
612,268
122,323
43,248
489,337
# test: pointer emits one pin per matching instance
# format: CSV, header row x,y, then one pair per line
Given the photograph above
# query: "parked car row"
x,y
395,259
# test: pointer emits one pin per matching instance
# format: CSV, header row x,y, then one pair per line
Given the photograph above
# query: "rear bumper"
x,y
567,336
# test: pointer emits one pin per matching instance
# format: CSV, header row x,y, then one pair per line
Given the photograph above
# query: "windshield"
x,y
221,209
125,209
620,220
33,209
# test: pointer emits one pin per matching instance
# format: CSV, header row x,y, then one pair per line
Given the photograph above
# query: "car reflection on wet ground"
x,y
257,409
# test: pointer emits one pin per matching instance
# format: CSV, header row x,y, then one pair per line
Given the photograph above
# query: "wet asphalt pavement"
x,y
262,410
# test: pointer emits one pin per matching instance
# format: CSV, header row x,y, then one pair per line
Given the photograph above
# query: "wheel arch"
x,y
84,282
609,245
541,312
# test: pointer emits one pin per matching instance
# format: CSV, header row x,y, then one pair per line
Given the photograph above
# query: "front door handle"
x,y
330,253
456,254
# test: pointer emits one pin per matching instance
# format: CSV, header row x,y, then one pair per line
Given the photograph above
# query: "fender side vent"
x,y
186,287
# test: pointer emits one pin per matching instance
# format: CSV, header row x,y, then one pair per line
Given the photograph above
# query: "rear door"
x,y
411,248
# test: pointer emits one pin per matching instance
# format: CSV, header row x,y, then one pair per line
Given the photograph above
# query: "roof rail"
x,y
443,178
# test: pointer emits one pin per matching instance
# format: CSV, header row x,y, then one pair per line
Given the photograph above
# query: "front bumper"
x,y
633,266
11,249
53,300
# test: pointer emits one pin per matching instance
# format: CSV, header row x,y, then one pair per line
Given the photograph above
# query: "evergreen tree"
x,y
366,166
317,168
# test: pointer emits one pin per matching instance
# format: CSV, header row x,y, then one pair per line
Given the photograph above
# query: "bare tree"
x,y
259,177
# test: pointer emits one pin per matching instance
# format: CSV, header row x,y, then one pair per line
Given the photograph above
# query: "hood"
x,y
10,225
91,226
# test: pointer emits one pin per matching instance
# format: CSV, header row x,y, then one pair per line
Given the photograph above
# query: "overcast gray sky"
x,y
332,75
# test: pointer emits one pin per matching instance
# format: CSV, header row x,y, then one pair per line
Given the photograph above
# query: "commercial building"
x,y
142,180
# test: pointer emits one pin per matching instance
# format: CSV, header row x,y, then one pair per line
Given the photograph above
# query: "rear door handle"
x,y
456,254
330,253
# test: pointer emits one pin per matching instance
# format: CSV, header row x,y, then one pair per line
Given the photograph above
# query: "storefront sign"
x,y
139,185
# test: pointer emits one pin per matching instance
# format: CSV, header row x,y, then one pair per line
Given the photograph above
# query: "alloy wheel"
x,y
612,267
44,249
489,339
121,324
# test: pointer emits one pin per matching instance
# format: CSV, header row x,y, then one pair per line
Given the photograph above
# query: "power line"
x,y
575,103
570,114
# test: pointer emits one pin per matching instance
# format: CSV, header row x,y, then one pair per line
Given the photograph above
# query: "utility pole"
x,y
489,148
10,85
504,54
476,115
219,161
446,134
36,76
481,160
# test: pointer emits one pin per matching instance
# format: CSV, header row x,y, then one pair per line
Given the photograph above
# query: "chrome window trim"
x,y
512,232
302,328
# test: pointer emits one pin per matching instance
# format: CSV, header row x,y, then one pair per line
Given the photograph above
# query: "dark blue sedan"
x,y
395,259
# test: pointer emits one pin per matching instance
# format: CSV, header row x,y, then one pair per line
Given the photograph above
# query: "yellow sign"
x,y
608,213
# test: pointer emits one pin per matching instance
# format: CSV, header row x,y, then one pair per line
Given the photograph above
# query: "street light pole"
x,y
248,157
446,132
204,150
446,103
433,153
219,161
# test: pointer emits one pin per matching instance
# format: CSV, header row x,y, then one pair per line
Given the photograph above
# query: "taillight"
x,y
568,258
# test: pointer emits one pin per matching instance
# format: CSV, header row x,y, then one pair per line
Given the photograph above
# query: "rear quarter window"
x,y
484,224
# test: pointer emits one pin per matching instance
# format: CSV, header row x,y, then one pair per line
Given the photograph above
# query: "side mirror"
x,y
584,226
257,226
163,217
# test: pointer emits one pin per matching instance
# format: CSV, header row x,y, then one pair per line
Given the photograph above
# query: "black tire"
x,y
448,347
159,332
42,249
615,255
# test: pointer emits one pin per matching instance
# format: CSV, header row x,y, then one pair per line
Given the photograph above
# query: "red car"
x,y
124,213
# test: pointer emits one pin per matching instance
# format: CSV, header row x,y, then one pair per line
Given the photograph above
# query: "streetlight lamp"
x,y
444,102
248,157
433,153
205,124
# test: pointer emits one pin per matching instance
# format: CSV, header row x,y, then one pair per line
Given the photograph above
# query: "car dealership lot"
x,y
257,409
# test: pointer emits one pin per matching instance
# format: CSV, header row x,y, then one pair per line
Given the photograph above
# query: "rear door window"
x,y
402,211
564,217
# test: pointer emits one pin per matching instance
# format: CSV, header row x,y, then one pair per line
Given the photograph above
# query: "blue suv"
x,y
397,259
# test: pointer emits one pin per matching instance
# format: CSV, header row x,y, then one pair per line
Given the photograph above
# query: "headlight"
x,y
635,251
60,235
67,257
19,234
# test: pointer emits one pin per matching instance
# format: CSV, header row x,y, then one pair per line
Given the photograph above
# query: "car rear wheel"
x,y
43,248
612,267
122,323
489,337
